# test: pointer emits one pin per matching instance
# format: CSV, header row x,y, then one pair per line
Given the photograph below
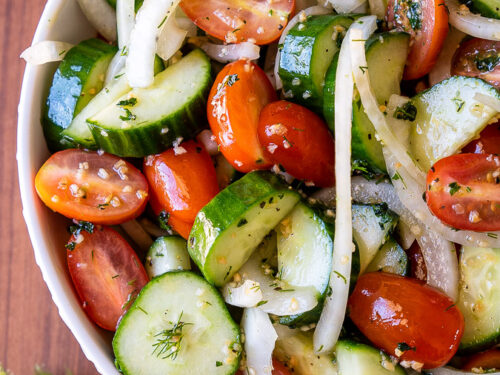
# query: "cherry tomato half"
x,y
236,21
182,181
487,360
488,142
237,97
427,23
418,268
82,185
406,318
478,58
299,140
463,191
278,369
107,274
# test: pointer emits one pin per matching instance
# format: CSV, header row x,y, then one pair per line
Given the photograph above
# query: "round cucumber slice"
x,y
167,254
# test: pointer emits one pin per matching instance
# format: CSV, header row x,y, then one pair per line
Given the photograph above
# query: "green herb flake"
x,y
404,347
341,276
163,220
127,102
218,363
169,341
459,102
450,307
454,188
261,303
129,116
242,222
406,112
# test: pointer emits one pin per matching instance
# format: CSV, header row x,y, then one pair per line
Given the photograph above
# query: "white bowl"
x,y
61,20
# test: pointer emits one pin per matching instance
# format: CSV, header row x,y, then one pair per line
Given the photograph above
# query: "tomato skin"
x,y
488,142
91,198
427,40
473,59
489,359
181,184
236,21
418,268
237,97
106,273
463,191
299,140
391,309
278,369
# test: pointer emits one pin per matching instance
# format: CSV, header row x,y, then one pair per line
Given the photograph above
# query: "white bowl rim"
x,y
99,357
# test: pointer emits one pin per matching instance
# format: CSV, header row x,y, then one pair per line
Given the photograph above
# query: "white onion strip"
x,y
102,16
142,49
299,17
377,7
473,24
452,371
138,234
231,52
442,69
125,19
45,52
247,294
346,6
171,38
488,100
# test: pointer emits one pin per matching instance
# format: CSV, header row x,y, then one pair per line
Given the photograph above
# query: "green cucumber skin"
x,y
138,4
329,93
487,8
300,51
69,91
229,205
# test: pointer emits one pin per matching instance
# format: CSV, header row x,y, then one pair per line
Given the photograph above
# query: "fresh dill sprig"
x,y
168,342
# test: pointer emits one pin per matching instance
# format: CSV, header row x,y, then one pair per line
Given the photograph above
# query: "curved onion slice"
x,y
488,100
452,371
299,17
171,39
102,16
116,67
141,53
137,233
346,6
260,339
125,19
45,52
473,24
442,69
247,294
231,52
377,7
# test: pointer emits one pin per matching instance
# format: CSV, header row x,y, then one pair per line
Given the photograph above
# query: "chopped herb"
x,y
404,347
406,112
144,311
158,254
492,235
62,52
127,102
270,12
81,225
341,276
468,189
163,21
115,276
163,220
242,222
397,177
118,76
231,79
70,246
124,51
363,69
454,188
228,272
129,116
361,167
102,206
458,102
218,363
450,307
487,62
168,344
131,282
261,303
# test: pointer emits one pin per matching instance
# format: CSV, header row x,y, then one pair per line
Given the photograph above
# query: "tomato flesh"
x,y
407,317
181,184
106,273
236,21
488,360
299,140
278,369
463,191
82,185
488,142
237,97
478,58
427,23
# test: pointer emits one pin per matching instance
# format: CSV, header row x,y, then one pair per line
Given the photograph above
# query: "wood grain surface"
x,y
31,332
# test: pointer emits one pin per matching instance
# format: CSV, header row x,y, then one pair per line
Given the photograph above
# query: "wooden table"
x,y
31,332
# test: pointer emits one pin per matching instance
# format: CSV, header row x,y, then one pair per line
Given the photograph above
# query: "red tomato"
x,y
478,58
278,369
299,140
427,23
107,274
237,21
395,312
82,185
238,95
418,268
487,360
463,191
181,184
488,142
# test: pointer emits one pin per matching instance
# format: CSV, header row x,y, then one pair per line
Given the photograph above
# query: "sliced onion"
x,y
152,229
304,4
171,39
490,101
452,371
247,294
405,235
125,19
116,67
137,233
299,17
346,6
185,23
260,339
142,49
207,138
231,52
473,24
377,7
45,52
102,16
442,69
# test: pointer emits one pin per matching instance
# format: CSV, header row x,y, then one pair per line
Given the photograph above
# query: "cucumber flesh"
x,y
167,254
231,226
448,117
79,77
479,297
359,359
391,258
209,339
148,121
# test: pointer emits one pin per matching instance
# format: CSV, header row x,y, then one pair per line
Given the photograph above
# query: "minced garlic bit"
x,y
83,165
55,198
115,202
179,150
102,173
272,147
76,191
278,129
474,217
294,305
141,194
127,189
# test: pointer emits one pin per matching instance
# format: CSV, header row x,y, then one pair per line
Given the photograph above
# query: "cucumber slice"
x,y
295,349
79,77
183,305
390,258
386,55
167,254
147,121
138,4
479,297
487,8
371,225
229,228
448,117
306,55
355,358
